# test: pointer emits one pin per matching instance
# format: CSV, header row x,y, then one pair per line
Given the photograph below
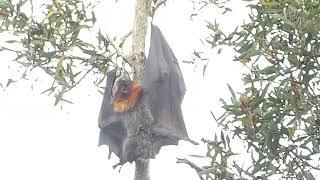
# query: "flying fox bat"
x,y
136,120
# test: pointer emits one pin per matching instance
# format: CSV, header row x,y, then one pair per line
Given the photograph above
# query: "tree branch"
x,y
142,169
124,38
138,37
142,13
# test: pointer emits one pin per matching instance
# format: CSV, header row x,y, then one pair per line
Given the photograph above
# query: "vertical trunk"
x,y
142,169
142,12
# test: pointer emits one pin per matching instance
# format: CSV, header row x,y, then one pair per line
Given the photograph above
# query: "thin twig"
x,y
156,6
192,165
118,49
124,38
8,49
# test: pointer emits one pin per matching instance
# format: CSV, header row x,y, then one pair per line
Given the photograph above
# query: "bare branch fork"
x,y
118,47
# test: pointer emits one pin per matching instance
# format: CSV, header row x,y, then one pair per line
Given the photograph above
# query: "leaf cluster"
x,y
53,42
277,112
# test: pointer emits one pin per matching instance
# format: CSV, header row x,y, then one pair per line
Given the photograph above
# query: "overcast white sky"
x,y
40,141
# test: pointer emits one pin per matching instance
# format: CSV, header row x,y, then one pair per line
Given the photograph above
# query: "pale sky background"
x,y
43,142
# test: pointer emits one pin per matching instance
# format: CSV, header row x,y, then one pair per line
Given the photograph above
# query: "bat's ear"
x,y
118,72
124,75
111,78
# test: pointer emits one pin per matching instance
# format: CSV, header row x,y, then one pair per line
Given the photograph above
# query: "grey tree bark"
x,y
142,12
142,169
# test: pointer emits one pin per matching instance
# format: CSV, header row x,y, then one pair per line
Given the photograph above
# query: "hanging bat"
x,y
137,120
132,108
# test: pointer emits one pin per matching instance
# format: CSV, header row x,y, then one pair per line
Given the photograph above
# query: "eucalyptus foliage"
x,y
277,115
52,41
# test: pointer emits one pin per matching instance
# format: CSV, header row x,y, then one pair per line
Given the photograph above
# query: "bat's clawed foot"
x,y
118,164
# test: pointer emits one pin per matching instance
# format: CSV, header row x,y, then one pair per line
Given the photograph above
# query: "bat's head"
x,y
123,88
126,93
122,84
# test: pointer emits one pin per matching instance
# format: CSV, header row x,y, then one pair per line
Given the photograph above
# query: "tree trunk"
x,y
142,169
142,13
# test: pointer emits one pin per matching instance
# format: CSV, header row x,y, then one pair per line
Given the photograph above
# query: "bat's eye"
x,y
124,86
124,89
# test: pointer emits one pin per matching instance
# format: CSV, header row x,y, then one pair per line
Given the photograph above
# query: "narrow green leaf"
x,y
223,138
268,70
4,5
231,91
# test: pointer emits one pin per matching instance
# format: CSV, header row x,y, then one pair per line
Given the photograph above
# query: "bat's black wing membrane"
x,y
164,87
112,131
164,83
